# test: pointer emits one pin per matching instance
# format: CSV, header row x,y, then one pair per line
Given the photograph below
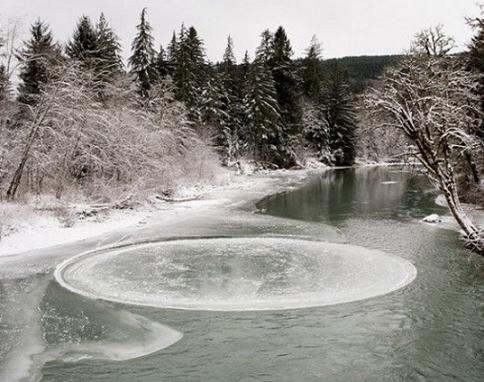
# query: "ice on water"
x,y
235,274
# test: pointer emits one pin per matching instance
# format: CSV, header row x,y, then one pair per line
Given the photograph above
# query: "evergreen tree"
x,y
244,68
109,62
285,81
83,46
232,102
311,71
162,65
215,114
316,130
189,70
262,113
338,111
171,54
264,50
37,56
229,60
143,56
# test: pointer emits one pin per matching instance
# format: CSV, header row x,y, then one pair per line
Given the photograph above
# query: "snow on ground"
x,y
45,224
37,230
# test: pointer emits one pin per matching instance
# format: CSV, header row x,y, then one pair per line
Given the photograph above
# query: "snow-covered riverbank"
x,y
39,228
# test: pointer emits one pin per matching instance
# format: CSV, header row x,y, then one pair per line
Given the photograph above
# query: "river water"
x,y
250,303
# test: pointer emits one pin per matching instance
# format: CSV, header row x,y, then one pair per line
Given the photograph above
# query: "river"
x,y
207,327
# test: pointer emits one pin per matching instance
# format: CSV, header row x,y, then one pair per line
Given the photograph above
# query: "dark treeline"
x,y
270,107
362,69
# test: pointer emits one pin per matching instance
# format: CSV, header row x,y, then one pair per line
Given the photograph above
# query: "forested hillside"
x,y
362,69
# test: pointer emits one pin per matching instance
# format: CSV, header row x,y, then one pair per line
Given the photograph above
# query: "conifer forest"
x,y
277,212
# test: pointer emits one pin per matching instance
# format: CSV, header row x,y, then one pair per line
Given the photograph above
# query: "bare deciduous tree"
x,y
432,99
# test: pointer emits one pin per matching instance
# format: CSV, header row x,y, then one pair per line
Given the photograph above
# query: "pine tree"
x,y
83,46
143,56
244,67
213,109
171,54
316,130
264,50
229,60
338,110
38,55
109,62
262,113
285,81
162,64
189,70
311,73
232,102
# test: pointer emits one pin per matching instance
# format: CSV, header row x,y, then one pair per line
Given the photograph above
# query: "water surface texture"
x,y
231,274
430,330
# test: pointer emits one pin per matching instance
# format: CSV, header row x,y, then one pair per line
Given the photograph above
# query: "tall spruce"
x,y
109,62
38,55
171,54
262,113
232,102
143,57
339,112
265,49
83,46
189,70
311,71
285,81
214,112
162,65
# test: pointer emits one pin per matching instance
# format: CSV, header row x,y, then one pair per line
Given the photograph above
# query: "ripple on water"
x,y
235,274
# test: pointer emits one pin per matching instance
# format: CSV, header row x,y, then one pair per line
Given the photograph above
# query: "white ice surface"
x,y
235,274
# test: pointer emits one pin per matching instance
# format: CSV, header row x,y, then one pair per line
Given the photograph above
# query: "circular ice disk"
x,y
235,274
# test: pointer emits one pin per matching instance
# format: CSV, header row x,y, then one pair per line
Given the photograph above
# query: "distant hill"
x,y
361,69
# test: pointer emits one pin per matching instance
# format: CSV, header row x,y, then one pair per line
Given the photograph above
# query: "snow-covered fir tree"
x,y
161,63
339,113
316,130
265,48
189,69
262,112
215,114
109,62
143,56
37,56
286,84
83,46
311,71
171,52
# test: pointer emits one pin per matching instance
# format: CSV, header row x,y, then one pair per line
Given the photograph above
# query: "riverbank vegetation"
x,y
75,118
434,99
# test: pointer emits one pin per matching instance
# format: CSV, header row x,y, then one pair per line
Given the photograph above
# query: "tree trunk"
x,y
449,188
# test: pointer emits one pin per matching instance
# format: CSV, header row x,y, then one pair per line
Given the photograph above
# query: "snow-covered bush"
x,y
72,140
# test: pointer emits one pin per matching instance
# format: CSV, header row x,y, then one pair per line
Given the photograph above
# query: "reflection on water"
x,y
338,195
431,330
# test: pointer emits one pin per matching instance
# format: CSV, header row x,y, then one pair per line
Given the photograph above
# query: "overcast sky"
x,y
344,27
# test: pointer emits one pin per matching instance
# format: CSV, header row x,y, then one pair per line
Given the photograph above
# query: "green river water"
x,y
243,317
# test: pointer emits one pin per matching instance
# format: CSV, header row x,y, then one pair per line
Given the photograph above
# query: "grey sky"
x,y
344,27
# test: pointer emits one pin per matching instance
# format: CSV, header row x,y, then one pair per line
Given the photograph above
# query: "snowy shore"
x,y
36,228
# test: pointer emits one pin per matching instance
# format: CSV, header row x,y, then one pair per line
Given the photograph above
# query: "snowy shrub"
x,y
72,140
